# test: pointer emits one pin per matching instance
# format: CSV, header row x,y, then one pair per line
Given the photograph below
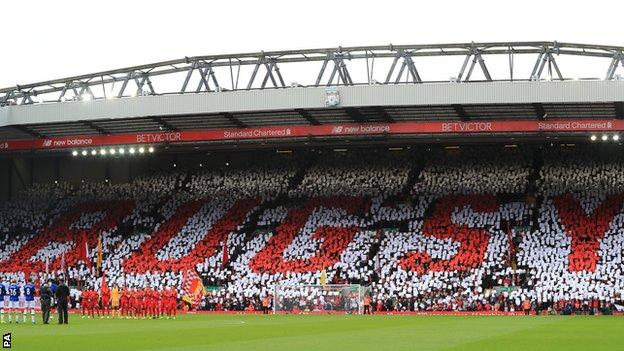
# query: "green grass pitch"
x,y
325,332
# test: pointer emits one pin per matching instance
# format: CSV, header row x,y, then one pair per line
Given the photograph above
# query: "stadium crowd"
x,y
471,229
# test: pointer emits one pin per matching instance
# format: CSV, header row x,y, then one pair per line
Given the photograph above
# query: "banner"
x,y
226,255
327,130
505,288
194,290
83,249
99,254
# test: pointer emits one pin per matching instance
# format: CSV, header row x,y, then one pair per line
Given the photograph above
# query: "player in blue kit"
x,y
29,300
3,293
14,294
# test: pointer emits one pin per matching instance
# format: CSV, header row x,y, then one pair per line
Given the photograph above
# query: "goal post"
x,y
328,298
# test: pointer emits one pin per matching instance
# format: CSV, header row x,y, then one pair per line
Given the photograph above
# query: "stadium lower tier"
x,y
445,232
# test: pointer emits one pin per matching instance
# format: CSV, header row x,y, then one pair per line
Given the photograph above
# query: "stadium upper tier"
x,y
470,228
324,87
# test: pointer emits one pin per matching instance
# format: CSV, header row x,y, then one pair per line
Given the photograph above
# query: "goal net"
x,y
328,298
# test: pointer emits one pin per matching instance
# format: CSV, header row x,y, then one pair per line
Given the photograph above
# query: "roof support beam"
x,y
80,91
617,59
546,60
145,80
411,76
272,71
475,54
206,75
124,84
339,72
264,70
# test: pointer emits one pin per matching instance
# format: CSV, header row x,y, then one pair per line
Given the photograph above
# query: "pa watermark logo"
x,y
6,341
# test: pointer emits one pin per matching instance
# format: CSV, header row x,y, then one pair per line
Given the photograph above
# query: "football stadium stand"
x,y
480,228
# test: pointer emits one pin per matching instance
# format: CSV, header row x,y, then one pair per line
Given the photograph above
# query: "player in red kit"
x,y
123,302
86,301
172,297
155,298
140,302
91,302
95,299
105,299
132,303
156,303
83,302
162,302
147,302
166,303
96,302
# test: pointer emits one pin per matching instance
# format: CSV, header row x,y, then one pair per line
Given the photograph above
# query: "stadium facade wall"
x,y
15,176
292,98
19,173
4,179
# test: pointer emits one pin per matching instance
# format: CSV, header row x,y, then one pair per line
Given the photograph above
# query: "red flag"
x,y
194,290
83,249
226,255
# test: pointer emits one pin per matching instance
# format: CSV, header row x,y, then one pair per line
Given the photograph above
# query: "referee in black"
x,y
62,295
46,301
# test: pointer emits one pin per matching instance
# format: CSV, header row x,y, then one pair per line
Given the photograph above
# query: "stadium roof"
x,y
242,91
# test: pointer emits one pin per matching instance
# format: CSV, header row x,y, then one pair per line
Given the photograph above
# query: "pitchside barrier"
x,y
328,298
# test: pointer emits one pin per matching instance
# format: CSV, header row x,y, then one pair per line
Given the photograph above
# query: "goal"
x,y
328,298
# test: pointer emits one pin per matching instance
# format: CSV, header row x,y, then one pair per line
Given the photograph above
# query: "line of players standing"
x,y
130,303
14,291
